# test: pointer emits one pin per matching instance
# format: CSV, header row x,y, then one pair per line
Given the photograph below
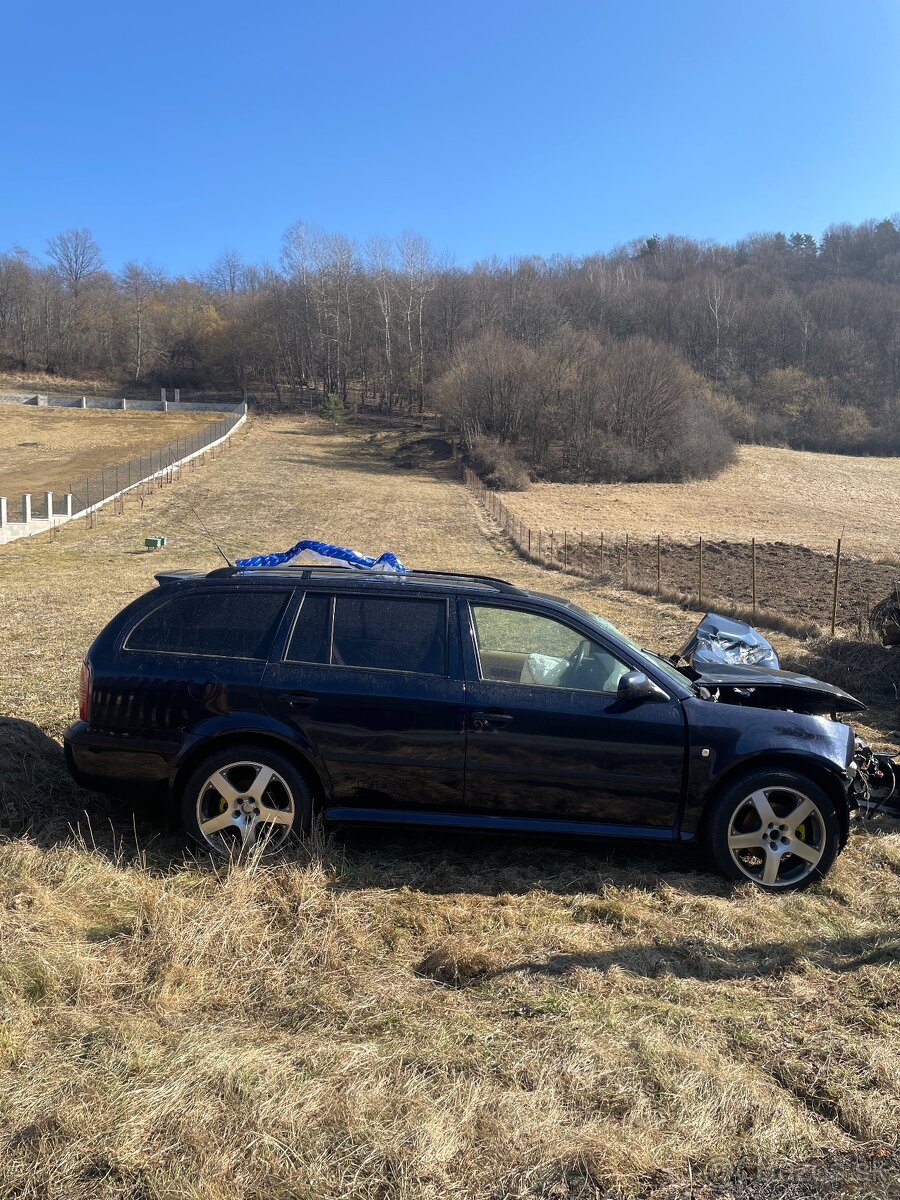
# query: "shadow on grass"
x,y
695,958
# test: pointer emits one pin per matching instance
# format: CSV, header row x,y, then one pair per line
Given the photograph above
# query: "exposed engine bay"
x,y
734,664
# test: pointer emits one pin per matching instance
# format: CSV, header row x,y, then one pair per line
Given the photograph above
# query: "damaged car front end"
x,y
734,664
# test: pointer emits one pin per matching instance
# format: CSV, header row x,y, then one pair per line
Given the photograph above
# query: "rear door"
x,y
547,735
375,683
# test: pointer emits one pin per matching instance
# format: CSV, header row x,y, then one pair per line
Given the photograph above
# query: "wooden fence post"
x,y
581,552
837,580
700,575
529,539
626,561
753,575
601,553
658,565
565,549
540,545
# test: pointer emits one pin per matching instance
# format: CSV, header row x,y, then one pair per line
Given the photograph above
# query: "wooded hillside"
x,y
779,339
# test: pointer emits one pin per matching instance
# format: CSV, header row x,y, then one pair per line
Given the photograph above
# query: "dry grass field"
x,y
770,494
47,449
403,1016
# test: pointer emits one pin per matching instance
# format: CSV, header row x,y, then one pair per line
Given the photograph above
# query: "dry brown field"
x,y
404,1016
48,449
773,495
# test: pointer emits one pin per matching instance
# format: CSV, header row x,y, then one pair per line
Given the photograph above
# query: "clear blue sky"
x,y
175,130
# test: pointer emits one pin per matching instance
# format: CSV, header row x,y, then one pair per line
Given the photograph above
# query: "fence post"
x,y
529,537
540,547
626,561
26,507
68,503
581,552
565,549
601,553
551,545
837,580
48,502
753,575
658,563
3,512
700,575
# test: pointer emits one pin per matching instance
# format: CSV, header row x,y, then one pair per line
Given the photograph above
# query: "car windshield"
x,y
661,664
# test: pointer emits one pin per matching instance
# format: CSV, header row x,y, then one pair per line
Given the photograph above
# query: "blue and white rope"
x,y
387,561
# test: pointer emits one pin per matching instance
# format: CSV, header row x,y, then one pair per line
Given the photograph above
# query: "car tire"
x,y
245,798
775,828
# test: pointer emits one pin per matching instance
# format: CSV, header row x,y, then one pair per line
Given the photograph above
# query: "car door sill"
x,y
391,816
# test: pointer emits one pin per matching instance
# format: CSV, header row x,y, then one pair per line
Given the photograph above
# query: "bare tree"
x,y
75,257
139,283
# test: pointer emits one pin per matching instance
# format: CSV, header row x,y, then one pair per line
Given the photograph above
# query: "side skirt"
x,y
389,816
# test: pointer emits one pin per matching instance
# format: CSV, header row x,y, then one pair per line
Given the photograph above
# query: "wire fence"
x,y
110,481
788,585
103,485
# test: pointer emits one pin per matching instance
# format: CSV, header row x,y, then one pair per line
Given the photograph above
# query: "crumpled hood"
x,y
778,689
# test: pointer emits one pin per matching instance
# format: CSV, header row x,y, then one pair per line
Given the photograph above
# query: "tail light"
x,y
84,691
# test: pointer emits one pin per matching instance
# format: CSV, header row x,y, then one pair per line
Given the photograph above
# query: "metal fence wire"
x,y
109,481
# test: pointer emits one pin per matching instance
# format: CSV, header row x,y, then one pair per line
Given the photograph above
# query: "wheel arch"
x,y
312,774
827,777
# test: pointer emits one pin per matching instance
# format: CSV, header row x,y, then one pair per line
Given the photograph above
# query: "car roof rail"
x,y
308,570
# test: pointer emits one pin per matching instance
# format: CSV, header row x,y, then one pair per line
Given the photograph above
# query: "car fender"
x,y
724,739
206,737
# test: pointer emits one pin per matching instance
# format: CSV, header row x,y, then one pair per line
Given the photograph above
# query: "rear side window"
x,y
375,632
212,624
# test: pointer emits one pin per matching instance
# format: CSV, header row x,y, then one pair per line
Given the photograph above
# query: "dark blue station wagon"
x,y
254,699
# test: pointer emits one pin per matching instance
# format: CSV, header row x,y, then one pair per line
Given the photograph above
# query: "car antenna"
x,y
202,524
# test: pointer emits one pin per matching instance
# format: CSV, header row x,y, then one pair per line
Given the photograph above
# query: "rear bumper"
x,y
105,762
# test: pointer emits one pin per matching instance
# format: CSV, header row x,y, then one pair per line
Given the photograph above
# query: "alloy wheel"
x,y
245,804
776,836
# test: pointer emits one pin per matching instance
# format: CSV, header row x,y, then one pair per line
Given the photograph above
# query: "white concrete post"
x,y
68,502
26,507
84,401
177,395
48,503
124,403
162,395
3,517
165,406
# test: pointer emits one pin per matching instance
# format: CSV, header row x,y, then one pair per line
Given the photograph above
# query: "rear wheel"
x,y
774,828
245,797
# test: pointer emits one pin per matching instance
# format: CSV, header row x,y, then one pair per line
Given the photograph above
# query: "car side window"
x,y
522,647
221,624
374,632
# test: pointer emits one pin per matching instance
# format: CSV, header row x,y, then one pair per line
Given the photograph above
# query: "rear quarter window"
x,y
212,624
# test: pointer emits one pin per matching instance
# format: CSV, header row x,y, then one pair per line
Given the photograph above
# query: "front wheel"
x,y
775,828
245,797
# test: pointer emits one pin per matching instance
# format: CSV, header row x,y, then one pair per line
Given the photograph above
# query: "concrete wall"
x,y
106,402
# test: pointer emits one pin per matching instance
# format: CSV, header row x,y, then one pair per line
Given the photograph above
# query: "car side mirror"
x,y
635,685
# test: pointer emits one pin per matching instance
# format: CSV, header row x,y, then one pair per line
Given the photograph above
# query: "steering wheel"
x,y
577,658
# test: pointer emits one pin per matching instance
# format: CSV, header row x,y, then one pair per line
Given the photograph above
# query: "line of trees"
x,y
780,339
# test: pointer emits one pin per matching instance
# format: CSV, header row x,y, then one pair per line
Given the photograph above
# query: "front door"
x,y
375,684
547,735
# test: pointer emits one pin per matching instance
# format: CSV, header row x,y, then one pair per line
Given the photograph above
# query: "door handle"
x,y
490,721
298,699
